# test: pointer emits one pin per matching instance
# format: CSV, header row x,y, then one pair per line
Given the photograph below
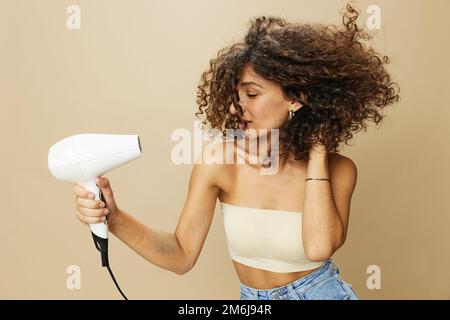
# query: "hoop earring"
x,y
291,111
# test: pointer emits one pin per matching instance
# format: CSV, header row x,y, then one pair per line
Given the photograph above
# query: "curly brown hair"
x,y
344,82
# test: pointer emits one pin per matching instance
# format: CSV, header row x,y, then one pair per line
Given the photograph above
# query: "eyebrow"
x,y
242,84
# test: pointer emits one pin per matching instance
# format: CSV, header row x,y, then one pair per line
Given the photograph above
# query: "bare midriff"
x,y
263,279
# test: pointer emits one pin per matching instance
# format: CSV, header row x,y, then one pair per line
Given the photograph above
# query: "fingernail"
x,y
106,211
102,204
103,218
91,196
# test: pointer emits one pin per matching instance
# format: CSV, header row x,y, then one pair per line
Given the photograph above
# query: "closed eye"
x,y
251,95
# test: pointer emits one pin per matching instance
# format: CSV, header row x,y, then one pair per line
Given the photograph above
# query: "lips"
x,y
244,124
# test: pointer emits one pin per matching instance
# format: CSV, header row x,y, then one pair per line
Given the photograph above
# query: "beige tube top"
x,y
266,239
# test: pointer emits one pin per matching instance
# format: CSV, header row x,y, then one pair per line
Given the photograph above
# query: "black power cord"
x,y
117,285
102,245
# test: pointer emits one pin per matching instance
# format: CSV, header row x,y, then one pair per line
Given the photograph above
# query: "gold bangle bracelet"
x,y
318,179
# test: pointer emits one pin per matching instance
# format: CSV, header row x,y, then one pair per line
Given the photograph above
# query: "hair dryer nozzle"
x,y
139,143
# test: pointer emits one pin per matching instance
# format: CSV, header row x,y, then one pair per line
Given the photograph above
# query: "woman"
x,y
316,85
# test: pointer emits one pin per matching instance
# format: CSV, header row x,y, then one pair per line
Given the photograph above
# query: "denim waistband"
x,y
327,269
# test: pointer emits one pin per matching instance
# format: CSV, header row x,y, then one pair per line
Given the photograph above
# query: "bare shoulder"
x,y
337,159
215,161
343,169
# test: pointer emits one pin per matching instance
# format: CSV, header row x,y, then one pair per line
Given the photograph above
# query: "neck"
x,y
265,150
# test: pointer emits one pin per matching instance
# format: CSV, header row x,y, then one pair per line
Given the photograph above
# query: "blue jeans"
x,y
325,283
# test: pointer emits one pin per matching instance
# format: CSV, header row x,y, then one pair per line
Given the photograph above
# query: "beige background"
x,y
133,68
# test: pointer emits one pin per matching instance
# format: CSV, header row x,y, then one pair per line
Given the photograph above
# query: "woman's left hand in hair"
x,y
318,148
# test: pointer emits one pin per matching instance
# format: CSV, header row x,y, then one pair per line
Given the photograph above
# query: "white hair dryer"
x,y
84,157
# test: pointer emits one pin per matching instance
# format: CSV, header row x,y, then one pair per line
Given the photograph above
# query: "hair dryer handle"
x,y
99,229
